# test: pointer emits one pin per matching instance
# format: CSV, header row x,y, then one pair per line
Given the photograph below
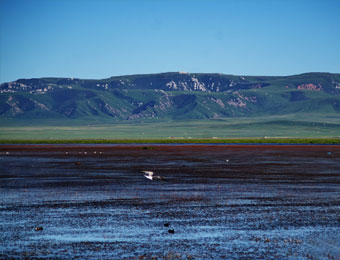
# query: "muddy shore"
x,y
221,201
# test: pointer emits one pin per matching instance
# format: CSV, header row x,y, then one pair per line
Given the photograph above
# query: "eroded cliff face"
x,y
168,95
310,86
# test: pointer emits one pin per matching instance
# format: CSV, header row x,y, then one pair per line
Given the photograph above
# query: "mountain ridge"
x,y
169,95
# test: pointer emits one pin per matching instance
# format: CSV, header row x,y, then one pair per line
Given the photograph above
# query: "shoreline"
x,y
148,148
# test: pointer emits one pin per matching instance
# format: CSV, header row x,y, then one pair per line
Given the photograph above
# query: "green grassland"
x,y
260,129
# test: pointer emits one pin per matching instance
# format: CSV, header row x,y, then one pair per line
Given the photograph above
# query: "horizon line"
x,y
171,72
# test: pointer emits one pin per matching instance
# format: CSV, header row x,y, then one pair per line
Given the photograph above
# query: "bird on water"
x,y
149,175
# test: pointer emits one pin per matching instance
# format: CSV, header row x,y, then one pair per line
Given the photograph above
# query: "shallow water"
x,y
265,202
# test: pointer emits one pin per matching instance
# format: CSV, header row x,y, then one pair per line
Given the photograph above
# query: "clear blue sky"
x,y
103,38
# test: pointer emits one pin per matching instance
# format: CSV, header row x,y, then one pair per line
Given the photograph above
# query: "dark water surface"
x,y
223,202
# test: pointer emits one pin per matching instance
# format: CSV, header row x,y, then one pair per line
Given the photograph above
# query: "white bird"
x,y
149,175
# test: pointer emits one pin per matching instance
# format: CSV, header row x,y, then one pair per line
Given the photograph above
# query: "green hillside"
x,y
306,104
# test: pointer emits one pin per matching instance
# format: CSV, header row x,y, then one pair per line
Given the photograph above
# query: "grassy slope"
x,y
273,117
87,101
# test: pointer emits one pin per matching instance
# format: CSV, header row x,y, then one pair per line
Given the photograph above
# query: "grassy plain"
x,y
260,129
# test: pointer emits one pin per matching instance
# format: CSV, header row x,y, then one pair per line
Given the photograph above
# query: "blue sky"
x,y
103,38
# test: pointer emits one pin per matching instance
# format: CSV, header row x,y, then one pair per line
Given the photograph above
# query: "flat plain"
x,y
284,126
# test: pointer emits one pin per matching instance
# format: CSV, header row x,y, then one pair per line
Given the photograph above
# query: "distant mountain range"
x,y
175,95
